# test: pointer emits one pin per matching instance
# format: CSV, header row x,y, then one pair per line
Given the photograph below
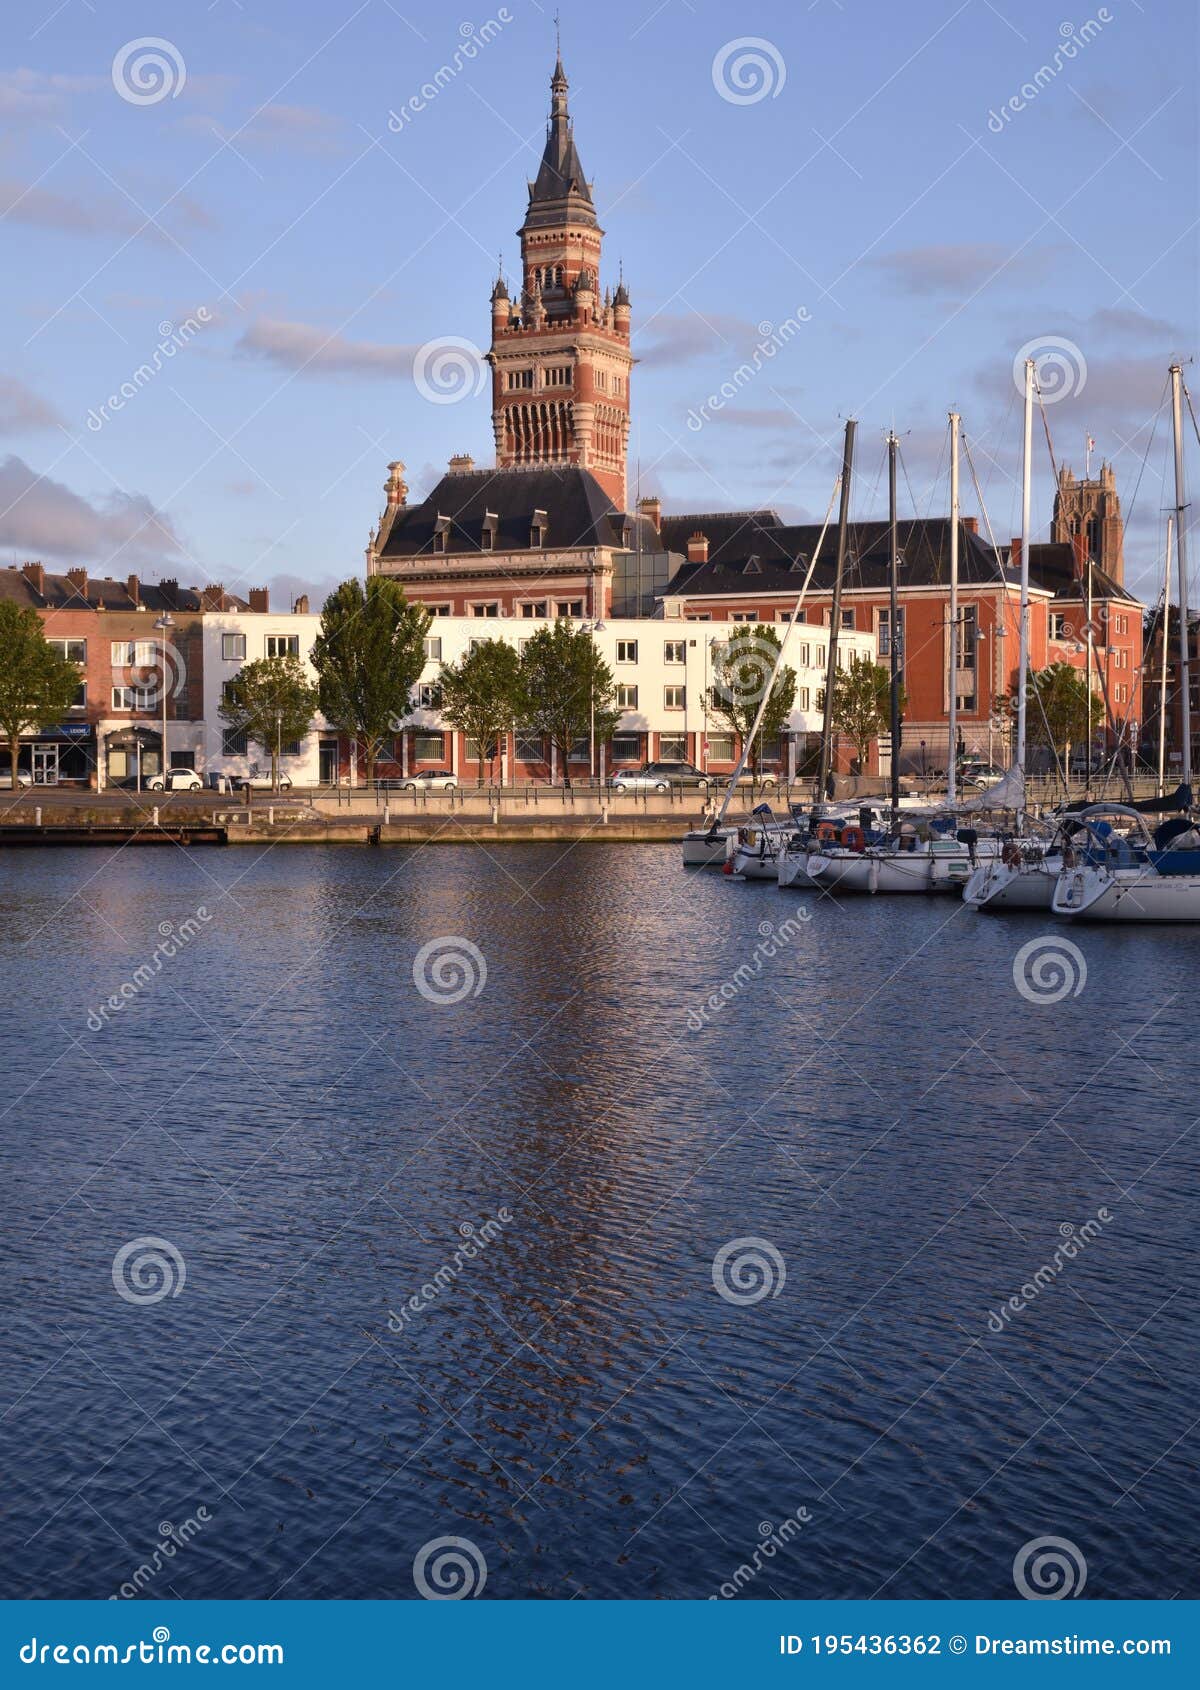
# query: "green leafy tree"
x,y
566,690
862,704
480,696
37,686
369,656
741,674
1056,708
273,703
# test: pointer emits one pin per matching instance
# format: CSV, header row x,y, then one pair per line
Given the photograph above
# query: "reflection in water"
x,y
877,1103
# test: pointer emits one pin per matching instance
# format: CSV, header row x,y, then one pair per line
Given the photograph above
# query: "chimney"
x,y
971,524
260,600
133,588
395,486
300,608
1014,554
697,551
35,574
169,590
79,580
462,463
212,597
651,507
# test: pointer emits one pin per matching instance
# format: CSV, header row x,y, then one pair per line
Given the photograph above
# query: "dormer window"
x,y
491,522
800,563
537,532
440,533
753,567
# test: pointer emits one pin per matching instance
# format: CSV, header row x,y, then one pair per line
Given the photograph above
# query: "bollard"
x,y
37,816
154,816
270,815
387,812
604,811
495,814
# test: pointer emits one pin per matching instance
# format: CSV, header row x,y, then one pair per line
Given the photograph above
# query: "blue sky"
x,y
871,181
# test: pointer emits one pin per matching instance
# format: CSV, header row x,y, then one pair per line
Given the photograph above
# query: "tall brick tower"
x,y
1092,508
560,354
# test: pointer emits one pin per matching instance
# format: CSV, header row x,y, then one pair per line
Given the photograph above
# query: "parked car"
x,y
22,778
428,780
177,780
977,774
258,780
660,777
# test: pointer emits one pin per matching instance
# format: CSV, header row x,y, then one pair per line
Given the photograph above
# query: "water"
x,y
879,1105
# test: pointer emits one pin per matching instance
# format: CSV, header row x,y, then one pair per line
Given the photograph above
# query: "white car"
x,y
429,780
258,780
177,780
22,778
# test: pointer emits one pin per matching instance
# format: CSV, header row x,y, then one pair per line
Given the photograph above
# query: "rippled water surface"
x,y
908,1137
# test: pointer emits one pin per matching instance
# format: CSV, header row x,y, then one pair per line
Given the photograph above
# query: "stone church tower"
x,y
560,354
1092,508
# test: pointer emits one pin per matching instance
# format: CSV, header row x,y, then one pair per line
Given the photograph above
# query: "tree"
x,y
566,690
741,673
1057,709
862,704
369,656
480,695
37,686
273,703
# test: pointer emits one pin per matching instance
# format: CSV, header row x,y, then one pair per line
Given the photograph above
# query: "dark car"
x,y
660,777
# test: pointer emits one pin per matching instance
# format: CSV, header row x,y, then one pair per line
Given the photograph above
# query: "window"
x,y
233,647
433,649
804,698
227,691
472,751
847,619
568,607
673,747
720,748
234,743
530,748
132,698
805,654
885,632
439,540
675,651
1059,626
558,375
627,698
672,698
602,381
290,748
438,609
627,748
581,751
518,379
968,637
618,385
121,653
428,748
490,609
79,702
744,616
426,694
488,536
753,566
627,651
787,616
699,616
534,607
75,651
283,645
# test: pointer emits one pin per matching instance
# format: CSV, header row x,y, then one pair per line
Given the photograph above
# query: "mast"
x,y
835,614
1091,660
1181,550
1023,641
952,759
1162,679
894,624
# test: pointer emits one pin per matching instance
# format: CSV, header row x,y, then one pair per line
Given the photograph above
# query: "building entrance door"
x,y
327,753
44,765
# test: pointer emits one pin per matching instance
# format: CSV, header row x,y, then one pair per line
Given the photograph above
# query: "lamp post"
x,y
164,624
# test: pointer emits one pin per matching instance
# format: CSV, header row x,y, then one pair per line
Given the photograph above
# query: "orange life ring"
x,y
828,832
854,839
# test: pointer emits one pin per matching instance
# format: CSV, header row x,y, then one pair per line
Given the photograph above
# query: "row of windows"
x,y
623,748
233,646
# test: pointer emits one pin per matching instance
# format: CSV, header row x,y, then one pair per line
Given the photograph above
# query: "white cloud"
x,y
45,519
310,350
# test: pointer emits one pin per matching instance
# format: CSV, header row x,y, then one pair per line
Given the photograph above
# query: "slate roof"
x,y
579,513
1053,566
560,187
103,593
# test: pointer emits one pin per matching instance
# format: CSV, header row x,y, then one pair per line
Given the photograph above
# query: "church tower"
x,y
560,353
1092,508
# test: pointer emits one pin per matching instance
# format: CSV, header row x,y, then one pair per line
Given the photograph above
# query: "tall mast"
x,y
952,760
1023,641
894,624
835,614
1162,679
1185,683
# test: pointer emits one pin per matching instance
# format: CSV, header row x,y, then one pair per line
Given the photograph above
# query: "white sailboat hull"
x,y
868,871
996,886
792,868
1133,894
702,849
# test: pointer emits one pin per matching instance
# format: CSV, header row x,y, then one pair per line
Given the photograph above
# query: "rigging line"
x,y
1006,586
1146,455
1191,413
1046,430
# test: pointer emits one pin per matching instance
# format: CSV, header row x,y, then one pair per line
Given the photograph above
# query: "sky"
x,y
855,201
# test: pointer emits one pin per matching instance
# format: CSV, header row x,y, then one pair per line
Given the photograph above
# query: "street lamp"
x,y
164,623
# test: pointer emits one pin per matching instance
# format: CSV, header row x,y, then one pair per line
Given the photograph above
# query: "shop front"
x,y
64,754
132,757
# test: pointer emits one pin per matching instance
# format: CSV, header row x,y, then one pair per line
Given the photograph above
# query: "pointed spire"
x,y
560,184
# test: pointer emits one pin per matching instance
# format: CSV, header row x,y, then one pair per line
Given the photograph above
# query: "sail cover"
x,y
1008,793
